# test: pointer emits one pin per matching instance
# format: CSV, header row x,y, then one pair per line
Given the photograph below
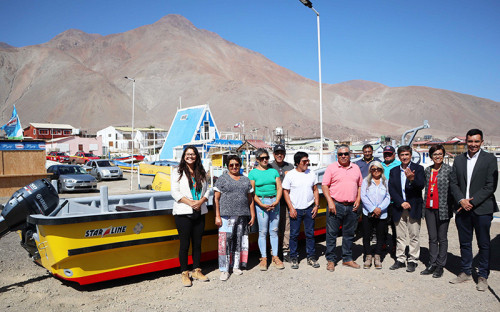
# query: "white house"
x,y
119,139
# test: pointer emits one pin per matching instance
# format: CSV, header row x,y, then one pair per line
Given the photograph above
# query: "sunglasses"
x,y
305,161
264,158
343,154
376,169
234,165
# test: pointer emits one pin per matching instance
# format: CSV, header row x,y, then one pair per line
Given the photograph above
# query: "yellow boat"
x,y
94,239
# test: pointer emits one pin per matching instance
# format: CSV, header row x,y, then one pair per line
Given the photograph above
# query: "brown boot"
x,y
197,275
263,264
186,280
368,262
378,263
277,263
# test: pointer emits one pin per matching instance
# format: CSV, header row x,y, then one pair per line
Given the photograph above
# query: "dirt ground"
x,y
25,286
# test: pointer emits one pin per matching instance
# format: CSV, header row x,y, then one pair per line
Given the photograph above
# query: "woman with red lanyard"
x,y
438,210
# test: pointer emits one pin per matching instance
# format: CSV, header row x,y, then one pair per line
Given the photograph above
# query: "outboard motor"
x,y
39,197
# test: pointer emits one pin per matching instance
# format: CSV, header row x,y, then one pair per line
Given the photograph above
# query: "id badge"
x,y
430,203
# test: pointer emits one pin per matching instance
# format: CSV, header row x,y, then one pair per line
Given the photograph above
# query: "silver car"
x,y
72,178
103,169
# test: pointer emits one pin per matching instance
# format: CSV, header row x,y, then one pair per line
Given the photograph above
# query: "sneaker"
x,y
411,267
429,270
295,263
368,262
397,265
482,284
277,263
263,264
286,256
378,262
438,272
197,275
237,271
224,276
312,262
186,280
462,277
330,266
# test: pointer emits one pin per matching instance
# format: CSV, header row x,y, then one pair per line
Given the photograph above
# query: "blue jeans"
x,y
266,220
306,216
349,220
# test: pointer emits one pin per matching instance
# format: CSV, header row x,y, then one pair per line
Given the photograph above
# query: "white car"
x,y
103,169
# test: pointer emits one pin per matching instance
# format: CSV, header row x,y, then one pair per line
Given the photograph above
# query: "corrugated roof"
x,y
51,126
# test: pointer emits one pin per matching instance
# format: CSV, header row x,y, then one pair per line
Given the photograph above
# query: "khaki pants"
x,y
407,229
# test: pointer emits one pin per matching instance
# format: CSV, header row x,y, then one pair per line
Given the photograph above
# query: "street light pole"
x,y
308,4
132,134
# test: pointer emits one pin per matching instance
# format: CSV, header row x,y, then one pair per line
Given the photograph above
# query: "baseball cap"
x,y
389,149
279,148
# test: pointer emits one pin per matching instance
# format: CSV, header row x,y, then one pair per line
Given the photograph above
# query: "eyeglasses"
x,y
376,169
190,155
264,158
437,155
234,165
279,153
305,162
388,154
343,154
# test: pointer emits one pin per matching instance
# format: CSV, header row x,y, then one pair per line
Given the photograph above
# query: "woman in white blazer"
x,y
190,191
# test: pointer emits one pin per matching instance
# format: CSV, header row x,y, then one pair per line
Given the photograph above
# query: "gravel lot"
x,y
25,286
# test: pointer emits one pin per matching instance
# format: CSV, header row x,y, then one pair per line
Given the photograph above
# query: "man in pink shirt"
x,y
342,189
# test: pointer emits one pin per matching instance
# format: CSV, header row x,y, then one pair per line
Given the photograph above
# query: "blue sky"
x,y
447,44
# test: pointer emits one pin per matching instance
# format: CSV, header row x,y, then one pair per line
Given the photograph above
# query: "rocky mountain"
x,y
78,78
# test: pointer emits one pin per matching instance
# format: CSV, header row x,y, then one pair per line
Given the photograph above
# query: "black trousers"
x,y
190,231
438,237
380,226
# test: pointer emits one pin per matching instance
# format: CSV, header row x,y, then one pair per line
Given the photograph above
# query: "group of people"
x,y
281,197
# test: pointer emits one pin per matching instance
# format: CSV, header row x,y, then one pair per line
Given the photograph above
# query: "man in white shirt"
x,y
302,197
473,187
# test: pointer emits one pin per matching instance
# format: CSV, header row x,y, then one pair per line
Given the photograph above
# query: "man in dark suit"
x,y
405,186
473,187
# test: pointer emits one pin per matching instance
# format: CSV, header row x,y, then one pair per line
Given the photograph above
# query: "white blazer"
x,y
180,189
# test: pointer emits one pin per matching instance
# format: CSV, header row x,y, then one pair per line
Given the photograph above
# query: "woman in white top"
x,y
375,197
190,192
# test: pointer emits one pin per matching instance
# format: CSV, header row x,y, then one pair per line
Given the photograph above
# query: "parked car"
x,y
58,156
82,157
103,169
72,178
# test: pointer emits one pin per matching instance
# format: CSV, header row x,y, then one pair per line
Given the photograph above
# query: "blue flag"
x,y
13,128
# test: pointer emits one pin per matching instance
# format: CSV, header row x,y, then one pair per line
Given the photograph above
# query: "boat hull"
x,y
98,247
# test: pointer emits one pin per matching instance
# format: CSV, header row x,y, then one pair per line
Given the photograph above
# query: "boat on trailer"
x,y
93,239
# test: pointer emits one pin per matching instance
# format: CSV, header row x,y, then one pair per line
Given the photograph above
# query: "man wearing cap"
x,y
283,168
390,162
364,163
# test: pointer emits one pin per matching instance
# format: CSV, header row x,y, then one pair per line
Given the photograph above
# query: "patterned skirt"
x,y
233,243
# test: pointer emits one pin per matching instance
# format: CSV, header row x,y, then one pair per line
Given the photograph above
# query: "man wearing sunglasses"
x,y
342,189
302,196
390,162
283,168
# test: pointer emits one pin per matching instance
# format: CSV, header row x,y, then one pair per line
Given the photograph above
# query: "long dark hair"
x,y
200,174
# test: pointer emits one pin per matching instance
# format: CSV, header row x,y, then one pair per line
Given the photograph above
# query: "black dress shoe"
x,y
438,272
397,265
429,270
411,267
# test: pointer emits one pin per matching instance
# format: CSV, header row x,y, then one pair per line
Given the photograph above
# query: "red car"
x,y
82,157
58,156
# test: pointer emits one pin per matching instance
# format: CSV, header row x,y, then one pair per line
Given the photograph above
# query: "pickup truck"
x,y
60,157
82,157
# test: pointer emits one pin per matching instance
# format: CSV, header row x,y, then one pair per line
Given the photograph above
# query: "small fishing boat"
x,y
128,158
93,239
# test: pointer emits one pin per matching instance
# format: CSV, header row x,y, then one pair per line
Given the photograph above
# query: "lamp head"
x,y
307,3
